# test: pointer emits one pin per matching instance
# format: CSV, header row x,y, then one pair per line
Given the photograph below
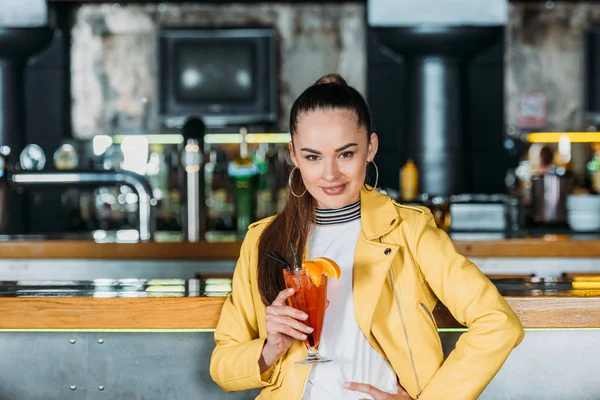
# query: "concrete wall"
x,y
113,71
114,56
545,53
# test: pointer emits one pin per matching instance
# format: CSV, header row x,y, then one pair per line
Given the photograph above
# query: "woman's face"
x,y
331,152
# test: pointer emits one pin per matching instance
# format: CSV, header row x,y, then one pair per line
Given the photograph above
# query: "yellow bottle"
x,y
409,181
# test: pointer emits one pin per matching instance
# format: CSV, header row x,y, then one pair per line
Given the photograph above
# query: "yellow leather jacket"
x,y
403,264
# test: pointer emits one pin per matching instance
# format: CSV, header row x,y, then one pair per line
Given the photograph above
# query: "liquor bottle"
x,y
264,198
244,174
409,181
593,168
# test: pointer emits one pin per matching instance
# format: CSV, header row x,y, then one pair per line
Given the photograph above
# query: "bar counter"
x,y
129,339
547,246
125,348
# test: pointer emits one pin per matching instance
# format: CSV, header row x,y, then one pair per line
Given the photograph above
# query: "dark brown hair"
x,y
293,223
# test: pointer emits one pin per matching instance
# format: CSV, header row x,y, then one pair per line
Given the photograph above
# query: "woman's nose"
x,y
330,171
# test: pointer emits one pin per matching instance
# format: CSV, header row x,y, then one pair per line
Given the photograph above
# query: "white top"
x,y
354,359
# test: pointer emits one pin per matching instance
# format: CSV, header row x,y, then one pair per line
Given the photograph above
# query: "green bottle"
x,y
593,168
244,174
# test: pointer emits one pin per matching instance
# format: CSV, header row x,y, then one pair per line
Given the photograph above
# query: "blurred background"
x,y
164,121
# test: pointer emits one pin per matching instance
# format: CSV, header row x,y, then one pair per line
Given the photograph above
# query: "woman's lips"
x,y
334,190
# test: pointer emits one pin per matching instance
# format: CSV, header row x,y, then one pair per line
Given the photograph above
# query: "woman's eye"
x,y
347,154
311,157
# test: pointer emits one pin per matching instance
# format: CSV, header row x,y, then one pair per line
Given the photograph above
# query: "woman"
x,y
395,265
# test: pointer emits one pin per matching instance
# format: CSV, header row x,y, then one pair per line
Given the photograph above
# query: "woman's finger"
x,y
297,325
282,297
364,388
274,328
401,390
287,311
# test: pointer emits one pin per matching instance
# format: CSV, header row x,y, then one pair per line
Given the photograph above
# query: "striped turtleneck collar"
x,y
332,216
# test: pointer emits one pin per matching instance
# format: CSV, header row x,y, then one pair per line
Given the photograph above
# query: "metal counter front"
x,y
144,365
116,365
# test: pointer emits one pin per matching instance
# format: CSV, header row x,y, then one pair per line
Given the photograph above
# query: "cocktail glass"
x,y
311,300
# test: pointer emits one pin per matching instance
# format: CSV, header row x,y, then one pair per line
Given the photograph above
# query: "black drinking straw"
x,y
287,264
294,254
281,258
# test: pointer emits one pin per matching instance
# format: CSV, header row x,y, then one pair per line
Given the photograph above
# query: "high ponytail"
x,y
294,222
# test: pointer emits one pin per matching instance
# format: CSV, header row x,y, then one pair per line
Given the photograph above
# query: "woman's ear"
x,y
373,146
292,154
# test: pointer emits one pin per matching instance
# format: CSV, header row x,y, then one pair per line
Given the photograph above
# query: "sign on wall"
x,y
532,110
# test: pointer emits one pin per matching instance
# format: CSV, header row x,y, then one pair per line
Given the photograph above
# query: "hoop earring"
x,y
376,177
290,184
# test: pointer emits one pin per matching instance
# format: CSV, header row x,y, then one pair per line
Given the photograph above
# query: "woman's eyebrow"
x,y
344,147
310,150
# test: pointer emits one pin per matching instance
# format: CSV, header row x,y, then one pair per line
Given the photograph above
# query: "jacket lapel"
x,y
372,259
371,265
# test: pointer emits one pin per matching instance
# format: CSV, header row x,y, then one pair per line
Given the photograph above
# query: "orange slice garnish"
x,y
321,266
314,271
329,267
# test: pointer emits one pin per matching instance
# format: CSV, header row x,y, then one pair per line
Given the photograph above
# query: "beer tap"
x,y
194,216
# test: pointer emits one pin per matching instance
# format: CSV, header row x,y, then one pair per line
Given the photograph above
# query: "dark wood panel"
x,y
529,248
230,250
120,251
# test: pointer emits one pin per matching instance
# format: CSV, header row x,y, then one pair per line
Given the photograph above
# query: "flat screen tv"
x,y
227,76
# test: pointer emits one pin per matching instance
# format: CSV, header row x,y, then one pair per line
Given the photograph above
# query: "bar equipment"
x,y
147,219
434,43
194,196
550,191
194,218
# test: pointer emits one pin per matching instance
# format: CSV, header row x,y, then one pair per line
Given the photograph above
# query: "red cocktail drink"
x,y
310,299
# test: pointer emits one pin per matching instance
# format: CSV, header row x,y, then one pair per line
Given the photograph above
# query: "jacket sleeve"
x,y
234,362
493,327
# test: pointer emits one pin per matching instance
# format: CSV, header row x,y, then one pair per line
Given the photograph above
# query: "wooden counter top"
x,y
552,246
203,313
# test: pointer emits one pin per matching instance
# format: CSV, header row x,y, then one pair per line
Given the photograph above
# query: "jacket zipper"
x,y
412,358
424,306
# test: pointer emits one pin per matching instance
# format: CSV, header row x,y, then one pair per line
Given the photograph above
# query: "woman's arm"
x,y
234,364
493,327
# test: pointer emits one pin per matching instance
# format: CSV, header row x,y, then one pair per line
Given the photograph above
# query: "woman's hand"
x,y
376,393
283,327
